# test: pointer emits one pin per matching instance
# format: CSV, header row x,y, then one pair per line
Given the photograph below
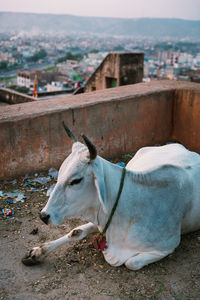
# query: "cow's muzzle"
x,y
44,217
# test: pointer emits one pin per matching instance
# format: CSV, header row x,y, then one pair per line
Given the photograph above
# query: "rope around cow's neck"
x,y
115,205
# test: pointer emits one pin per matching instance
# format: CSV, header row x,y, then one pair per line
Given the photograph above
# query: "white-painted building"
x,y
54,86
25,78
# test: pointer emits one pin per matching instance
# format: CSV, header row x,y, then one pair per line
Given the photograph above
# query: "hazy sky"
x,y
185,9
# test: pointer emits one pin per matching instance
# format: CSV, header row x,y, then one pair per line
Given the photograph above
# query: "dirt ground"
x,y
79,271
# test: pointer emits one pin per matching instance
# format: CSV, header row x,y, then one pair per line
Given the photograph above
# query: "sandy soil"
x,y
78,271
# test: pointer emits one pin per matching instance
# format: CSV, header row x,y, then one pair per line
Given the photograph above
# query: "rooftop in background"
x,y
115,70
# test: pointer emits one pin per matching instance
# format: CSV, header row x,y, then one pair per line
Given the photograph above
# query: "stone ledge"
x,y
13,97
118,120
130,91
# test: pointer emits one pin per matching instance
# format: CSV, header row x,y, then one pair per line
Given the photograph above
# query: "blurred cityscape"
x,y
65,62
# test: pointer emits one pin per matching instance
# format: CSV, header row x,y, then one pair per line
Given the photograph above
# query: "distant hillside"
x,y
144,27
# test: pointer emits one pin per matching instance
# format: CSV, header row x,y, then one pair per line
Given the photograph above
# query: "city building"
x,y
26,78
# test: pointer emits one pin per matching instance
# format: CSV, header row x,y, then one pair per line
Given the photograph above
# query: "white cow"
x,y
160,199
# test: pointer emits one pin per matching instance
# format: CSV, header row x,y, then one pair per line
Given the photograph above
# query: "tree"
x,y
20,89
118,48
94,51
38,55
3,64
69,55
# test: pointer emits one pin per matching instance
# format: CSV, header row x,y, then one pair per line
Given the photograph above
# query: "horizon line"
x,y
101,17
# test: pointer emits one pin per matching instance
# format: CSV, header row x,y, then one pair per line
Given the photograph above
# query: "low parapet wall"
x,y
12,97
118,121
186,121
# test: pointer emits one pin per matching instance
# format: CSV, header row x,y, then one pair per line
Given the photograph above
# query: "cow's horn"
x,y
69,133
91,147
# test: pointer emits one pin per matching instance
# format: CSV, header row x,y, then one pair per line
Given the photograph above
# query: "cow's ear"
x,y
100,184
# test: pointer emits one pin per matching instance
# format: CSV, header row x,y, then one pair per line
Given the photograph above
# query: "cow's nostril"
x,y
44,217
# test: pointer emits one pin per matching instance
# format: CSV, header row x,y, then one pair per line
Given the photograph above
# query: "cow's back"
x,y
152,158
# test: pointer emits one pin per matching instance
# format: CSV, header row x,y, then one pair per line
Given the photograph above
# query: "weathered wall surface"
x,y
118,121
108,68
13,97
119,69
131,68
186,118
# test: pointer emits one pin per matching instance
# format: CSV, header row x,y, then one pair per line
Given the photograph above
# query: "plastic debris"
x,y
23,178
8,212
28,182
127,155
32,189
10,201
31,184
121,164
53,173
16,195
50,190
1,194
14,181
10,182
42,180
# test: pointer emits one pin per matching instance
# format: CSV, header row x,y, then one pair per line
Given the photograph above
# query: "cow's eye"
x,y
76,181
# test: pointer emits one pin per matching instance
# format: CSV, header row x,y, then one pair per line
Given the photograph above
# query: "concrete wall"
x,y
123,68
12,97
131,68
186,118
118,121
108,68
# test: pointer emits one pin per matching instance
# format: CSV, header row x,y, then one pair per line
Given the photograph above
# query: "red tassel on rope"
x,y
100,243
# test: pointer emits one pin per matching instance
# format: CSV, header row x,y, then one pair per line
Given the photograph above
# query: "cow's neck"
x,y
112,177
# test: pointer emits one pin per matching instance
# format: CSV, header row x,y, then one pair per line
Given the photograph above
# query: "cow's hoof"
x,y
30,259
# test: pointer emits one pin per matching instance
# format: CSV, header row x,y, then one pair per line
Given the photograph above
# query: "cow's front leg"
x,y
143,259
37,254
